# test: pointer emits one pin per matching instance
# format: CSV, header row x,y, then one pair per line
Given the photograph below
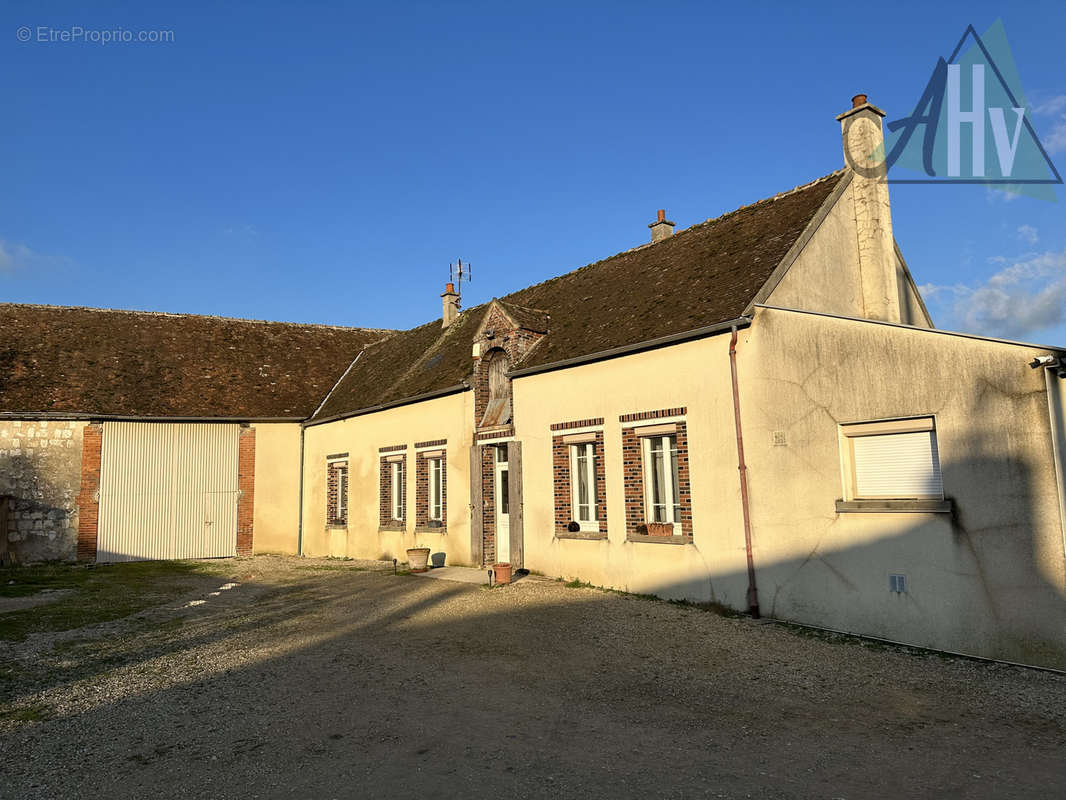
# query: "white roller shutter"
x,y
897,465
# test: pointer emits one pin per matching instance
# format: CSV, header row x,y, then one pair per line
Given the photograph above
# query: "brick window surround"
x,y
387,457
337,492
422,520
633,477
563,486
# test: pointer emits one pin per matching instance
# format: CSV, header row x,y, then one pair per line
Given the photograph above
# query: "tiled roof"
x,y
705,274
132,363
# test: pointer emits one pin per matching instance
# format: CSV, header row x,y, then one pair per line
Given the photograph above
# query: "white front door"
x,y
503,520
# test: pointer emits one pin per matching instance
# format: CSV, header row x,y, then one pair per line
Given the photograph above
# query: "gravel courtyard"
x,y
324,679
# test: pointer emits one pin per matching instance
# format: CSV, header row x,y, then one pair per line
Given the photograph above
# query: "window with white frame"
x,y
892,460
396,486
435,466
583,485
662,485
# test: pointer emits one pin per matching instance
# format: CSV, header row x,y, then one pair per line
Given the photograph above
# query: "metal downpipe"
x,y
742,468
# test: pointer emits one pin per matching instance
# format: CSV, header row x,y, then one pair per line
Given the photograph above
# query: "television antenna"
x,y
460,272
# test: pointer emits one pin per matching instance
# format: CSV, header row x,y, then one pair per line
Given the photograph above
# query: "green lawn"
x,y
95,593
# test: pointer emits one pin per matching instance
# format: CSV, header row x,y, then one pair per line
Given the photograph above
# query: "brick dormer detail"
x,y
505,337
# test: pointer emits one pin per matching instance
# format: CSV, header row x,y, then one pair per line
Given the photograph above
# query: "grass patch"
x,y
330,568
96,593
35,713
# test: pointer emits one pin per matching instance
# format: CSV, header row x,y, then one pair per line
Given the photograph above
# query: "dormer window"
x,y
498,408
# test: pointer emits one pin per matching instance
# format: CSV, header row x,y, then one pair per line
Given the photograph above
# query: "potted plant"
x,y
660,529
502,572
418,559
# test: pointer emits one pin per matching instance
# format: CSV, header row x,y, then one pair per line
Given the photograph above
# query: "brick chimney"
x,y
864,154
661,228
450,304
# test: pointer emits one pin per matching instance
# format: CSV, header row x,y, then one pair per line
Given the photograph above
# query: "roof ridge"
x,y
519,305
694,226
198,316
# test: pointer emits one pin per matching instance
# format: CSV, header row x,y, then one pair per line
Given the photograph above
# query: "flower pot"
x,y
660,529
503,573
418,559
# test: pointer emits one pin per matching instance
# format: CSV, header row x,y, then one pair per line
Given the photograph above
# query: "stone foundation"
x,y
40,478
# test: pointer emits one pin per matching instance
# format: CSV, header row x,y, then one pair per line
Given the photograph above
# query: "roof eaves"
x,y
459,387
627,349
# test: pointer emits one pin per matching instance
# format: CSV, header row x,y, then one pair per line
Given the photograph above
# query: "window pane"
x,y
342,492
435,488
658,498
676,482
504,499
582,478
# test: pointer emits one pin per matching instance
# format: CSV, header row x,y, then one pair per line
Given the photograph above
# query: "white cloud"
x,y
14,257
1053,105
1055,109
1028,234
1024,297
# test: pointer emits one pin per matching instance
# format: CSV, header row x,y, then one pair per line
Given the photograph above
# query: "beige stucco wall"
x,y
988,580
825,276
694,375
277,487
448,417
40,475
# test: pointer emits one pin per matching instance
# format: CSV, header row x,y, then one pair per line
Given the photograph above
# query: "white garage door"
x,y
167,490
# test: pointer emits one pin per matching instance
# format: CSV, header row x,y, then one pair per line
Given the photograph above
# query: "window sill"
x,y
894,506
428,529
592,536
336,526
399,527
644,538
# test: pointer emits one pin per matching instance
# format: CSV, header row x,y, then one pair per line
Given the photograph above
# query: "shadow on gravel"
x,y
367,685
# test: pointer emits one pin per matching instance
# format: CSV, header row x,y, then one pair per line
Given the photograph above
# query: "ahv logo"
x,y
972,124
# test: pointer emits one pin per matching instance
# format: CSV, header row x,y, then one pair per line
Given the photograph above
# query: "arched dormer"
x,y
498,404
506,335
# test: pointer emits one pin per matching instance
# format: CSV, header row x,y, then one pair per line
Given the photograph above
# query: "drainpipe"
x,y
753,592
300,521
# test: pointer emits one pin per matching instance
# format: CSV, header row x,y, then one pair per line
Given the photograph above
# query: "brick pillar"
x,y
246,485
89,496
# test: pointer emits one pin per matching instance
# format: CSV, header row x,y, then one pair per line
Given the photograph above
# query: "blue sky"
x,y
325,162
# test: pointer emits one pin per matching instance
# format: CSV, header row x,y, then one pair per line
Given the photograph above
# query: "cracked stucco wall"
x,y
989,579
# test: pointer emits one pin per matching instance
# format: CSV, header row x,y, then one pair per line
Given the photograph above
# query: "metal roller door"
x,y
167,490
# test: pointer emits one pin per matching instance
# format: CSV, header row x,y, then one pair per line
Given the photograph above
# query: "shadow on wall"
x,y
987,579
41,506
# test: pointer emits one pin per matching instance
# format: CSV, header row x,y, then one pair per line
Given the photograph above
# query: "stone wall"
x,y
40,477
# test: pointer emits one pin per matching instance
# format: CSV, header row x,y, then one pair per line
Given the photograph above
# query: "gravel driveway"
x,y
325,679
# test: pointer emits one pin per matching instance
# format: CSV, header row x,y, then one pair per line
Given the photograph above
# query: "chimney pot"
x,y
450,305
858,100
661,228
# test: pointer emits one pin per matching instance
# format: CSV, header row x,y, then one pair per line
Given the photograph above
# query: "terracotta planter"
x,y
418,559
660,529
503,572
